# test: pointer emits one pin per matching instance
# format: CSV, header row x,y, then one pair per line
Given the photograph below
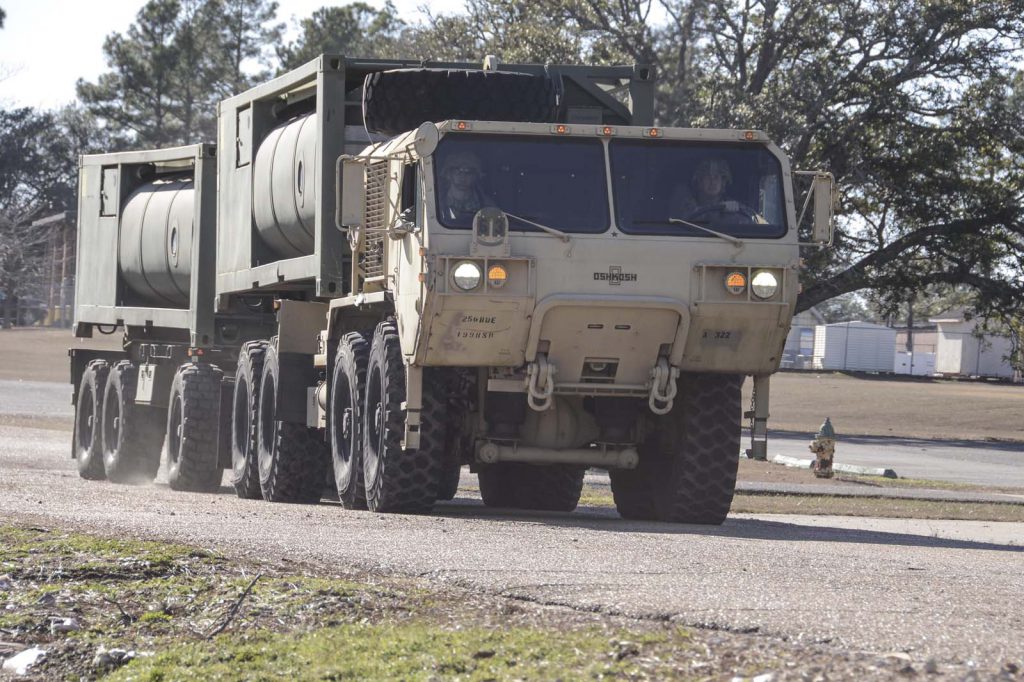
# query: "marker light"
x,y
764,284
736,283
654,132
607,130
462,125
467,275
497,275
561,129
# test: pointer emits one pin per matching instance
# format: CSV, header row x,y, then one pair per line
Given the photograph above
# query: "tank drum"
x,y
284,188
155,245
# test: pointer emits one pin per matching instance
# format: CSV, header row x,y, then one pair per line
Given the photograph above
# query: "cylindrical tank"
x,y
284,187
155,246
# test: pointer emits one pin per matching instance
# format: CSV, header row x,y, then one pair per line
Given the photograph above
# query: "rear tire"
x,y
688,467
88,435
292,458
132,434
550,487
348,388
193,429
245,466
397,480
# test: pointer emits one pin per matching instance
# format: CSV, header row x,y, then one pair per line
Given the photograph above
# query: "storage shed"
x,y
854,346
962,351
799,349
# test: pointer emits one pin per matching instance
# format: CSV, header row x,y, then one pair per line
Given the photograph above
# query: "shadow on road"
x,y
606,520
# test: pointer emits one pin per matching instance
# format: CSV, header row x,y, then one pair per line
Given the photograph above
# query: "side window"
x,y
407,207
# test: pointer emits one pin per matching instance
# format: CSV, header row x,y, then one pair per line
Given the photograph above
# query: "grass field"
x,y
857,405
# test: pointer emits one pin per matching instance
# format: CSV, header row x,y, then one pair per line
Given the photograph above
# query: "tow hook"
x,y
540,383
663,387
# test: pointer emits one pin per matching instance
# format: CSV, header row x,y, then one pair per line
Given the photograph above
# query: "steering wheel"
x,y
727,207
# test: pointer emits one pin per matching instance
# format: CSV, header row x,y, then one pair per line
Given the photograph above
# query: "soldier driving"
x,y
462,197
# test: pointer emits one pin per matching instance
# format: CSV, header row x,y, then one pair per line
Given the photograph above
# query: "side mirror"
x,y
351,194
824,188
823,194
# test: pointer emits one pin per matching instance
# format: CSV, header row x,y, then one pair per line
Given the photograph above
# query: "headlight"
x,y
467,275
764,284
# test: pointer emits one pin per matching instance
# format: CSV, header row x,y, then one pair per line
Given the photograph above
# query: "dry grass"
x,y
911,408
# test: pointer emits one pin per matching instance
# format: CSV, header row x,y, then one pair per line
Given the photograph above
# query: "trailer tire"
x,y
88,435
292,457
348,388
245,466
550,487
132,434
694,454
401,99
397,480
193,429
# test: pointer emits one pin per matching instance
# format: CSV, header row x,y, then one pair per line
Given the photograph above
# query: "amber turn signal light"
x,y
736,282
497,275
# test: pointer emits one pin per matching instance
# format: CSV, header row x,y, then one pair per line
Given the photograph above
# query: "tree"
x,y
244,33
37,178
137,98
355,30
3,15
915,107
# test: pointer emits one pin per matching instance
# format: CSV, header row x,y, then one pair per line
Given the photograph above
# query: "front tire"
x,y
292,457
193,429
88,436
397,480
548,487
132,434
687,471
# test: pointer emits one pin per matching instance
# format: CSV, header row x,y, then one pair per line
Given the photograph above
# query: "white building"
x,y
962,351
854,346
799,349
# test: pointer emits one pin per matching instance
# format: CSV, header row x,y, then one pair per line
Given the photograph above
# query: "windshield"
x,y
556,182
732,189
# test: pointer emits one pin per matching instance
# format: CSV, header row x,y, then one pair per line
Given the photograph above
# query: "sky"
x,y
47,45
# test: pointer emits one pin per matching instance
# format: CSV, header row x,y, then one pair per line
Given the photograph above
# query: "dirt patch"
x,y
42,354
146,610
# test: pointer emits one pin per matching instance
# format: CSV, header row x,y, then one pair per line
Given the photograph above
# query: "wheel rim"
x,y
373,423
86,421
174,431
112,424
243,427
343,431
268,427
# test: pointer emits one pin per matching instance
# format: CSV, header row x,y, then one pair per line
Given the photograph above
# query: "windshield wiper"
x,y
550,230
721,235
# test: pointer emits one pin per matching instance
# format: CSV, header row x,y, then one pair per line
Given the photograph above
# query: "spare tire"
x,y
401,99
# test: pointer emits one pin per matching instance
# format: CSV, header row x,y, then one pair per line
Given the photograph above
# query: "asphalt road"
x,y
949,590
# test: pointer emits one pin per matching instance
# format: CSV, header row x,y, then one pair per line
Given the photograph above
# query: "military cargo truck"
x,y
400,269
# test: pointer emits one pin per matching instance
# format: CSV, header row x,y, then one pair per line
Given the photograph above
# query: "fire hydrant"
x,y
824,448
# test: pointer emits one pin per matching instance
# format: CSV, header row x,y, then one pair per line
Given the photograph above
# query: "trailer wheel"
x,y
193,429
132,434
348,387
292,457
245,466
401,99
694,453
551,487
88,436
397,480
